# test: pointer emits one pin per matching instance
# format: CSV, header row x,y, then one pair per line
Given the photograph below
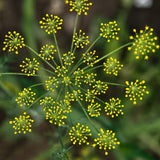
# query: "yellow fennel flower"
x,y
79,134
109,31
22,124
100,87
13,41
114,108
136,90
51,84
47,52
26,97
89,58
80,40
106,140
55,115
80,6
29,67
68,58
144,43
112,66
51,23
94,109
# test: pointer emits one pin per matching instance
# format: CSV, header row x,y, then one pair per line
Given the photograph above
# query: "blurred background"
x,y
138,130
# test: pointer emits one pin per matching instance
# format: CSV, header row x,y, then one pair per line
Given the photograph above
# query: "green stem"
x,y
115,84
47,70
110,53
19,74
35,85
74,31
94,68
40,57
59,54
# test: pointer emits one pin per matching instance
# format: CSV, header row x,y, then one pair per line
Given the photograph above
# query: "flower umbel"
x,y
22,124
106,141
79,134
114,108
109,31
80,40
47,52
144,43
51,84
112,66
55,114
29,67
80,6
89,58
94,109
136,90
100,87
26,97
13,41
51,23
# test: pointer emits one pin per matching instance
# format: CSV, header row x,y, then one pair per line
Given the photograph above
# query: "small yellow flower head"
x,y
109,31
136,90
29,67
51,84
13,41
106,141
80,40
47,52
78,74
80,6
94,109
79,134
112,66
26,97
76,95
51,23
114,108
89,58
89,96
55,115
65,105
47,102
99,88
22,124
90,78
144,43
61,71
68,58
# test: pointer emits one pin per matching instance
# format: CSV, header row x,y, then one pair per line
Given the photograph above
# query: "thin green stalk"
x,y
59,54
40,57
74,31
35,85
110,53
18,74
47,70
94,68
115,84
80,61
